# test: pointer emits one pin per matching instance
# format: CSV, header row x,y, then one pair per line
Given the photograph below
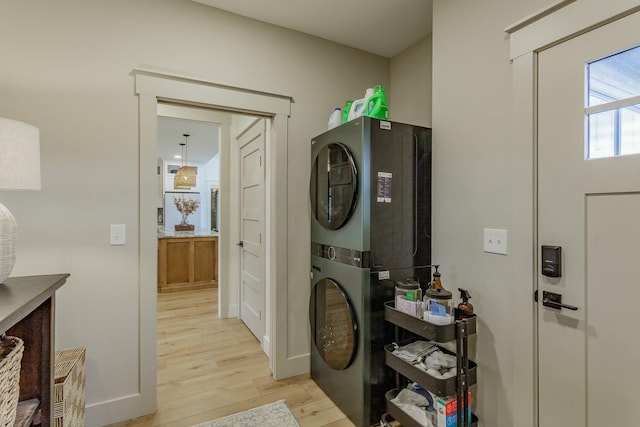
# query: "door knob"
x,y
553,300
240,243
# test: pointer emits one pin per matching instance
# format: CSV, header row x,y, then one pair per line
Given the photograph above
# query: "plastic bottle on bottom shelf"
x,y
421,390
335,119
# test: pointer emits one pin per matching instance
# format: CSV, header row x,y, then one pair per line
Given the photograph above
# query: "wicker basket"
x,y
69,387
11,356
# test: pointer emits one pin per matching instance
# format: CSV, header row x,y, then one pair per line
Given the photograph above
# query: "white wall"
x,y
476,166
66,68
212,171
410,97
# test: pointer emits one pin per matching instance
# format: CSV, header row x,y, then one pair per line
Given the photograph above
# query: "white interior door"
x,y
252,188
588,358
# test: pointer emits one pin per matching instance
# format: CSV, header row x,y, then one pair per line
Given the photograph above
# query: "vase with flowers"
x,y
186,207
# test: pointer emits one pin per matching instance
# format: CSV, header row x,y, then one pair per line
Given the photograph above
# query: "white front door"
x,y
252,187
590,206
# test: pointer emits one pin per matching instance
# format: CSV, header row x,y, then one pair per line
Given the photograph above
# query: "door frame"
x,y
560,21
152,87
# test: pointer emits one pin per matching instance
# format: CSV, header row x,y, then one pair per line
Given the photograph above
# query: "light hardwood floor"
x,y
210,367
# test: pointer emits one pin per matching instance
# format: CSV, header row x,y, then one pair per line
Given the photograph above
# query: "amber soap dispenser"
x,y
465,308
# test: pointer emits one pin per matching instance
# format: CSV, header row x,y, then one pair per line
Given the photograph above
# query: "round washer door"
x,y
334,186
334,330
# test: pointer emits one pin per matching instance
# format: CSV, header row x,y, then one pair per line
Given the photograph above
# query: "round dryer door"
x,y
334,186
333,324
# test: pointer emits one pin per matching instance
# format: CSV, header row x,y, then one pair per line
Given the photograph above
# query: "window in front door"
x,y
612,105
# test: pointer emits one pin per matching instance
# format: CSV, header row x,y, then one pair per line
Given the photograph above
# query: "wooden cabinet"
x,y
187,263
27,311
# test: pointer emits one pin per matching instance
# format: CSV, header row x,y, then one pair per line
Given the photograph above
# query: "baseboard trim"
x,y
116,410
233,310
296,365
266,346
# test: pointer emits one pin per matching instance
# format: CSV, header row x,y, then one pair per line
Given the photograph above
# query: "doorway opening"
x,y
187,241
154,89
189,260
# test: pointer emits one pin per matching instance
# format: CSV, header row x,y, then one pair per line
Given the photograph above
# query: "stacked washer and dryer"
x,y
370,196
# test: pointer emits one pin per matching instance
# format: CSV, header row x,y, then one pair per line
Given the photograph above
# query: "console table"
x,y
27,311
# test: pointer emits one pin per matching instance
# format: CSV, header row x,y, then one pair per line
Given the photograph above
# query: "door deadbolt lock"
x,y
552,261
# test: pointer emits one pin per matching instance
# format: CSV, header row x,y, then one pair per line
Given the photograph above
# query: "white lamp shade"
x,y
19,155
8,228
19,170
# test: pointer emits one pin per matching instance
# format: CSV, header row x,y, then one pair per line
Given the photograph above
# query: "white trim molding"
x,y
563,20
228,98
151,88
560,21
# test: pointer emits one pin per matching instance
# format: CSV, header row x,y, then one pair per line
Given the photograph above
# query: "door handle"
x,y
240,243
553,300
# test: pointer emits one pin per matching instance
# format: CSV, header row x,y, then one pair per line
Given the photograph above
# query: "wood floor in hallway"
x,y
210,367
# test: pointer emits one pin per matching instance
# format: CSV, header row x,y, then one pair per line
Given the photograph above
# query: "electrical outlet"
x,y
495,241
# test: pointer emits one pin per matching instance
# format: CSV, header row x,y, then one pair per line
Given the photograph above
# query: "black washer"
x,y
333,324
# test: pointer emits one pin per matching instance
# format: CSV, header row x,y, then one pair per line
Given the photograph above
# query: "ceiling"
x,y
202,143
381,27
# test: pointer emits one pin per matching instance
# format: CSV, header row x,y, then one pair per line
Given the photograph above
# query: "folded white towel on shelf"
x,y
414,404
440,360
439,365
426,356
450,373
414,352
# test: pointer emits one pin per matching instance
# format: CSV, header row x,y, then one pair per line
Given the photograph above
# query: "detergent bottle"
x,y
335,119
358,106
347,109
376,105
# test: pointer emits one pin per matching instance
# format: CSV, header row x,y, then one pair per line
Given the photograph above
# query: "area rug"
x,y
275,414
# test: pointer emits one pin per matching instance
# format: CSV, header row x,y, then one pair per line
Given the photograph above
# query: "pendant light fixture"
x,y
176,182
185,177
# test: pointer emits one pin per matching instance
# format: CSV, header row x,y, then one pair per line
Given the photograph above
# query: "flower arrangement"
x,y
186,207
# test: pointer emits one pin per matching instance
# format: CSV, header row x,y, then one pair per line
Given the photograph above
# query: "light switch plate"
x,y
495,241
117,234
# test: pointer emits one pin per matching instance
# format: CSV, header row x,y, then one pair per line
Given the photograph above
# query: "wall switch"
x,y
118,234
495,241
